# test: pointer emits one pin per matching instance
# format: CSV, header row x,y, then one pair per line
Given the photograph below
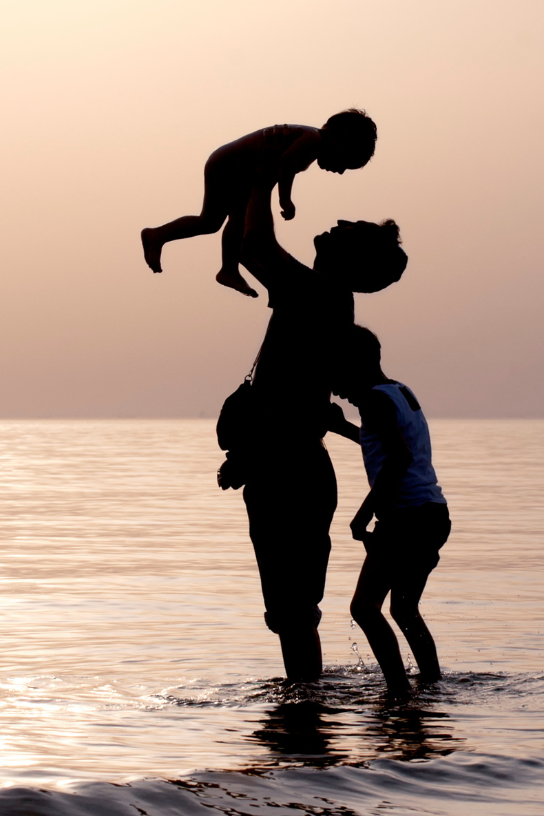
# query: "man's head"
x,y
365,256
358,365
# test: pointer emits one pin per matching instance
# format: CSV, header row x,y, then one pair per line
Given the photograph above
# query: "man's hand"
x,y
362,519
288,210
231,474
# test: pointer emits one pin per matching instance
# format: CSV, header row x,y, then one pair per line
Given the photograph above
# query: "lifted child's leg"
x,y
231,241
214,211
366,609
153,240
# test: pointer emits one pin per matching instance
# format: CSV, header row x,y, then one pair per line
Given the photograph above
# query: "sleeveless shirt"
x,y
419,484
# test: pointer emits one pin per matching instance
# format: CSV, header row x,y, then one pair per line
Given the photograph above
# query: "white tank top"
x,y
419,484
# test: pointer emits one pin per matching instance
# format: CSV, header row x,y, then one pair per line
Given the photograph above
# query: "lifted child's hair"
x,y
357,130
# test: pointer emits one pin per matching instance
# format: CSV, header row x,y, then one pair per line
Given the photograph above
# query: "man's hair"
x,y
357,131
372,256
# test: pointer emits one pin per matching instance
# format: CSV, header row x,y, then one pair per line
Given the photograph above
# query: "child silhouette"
x,y
346,141
412,514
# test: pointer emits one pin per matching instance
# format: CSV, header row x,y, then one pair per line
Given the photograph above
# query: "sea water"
x,y
137,675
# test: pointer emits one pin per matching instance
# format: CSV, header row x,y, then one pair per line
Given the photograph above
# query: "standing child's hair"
x,y
357,133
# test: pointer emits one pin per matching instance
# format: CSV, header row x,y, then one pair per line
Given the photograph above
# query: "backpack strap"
x,y
249,377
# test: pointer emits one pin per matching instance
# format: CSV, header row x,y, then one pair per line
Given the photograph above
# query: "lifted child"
x,y
346,141
412,515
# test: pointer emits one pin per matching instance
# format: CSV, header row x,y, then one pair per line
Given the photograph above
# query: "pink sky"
x,y
111,108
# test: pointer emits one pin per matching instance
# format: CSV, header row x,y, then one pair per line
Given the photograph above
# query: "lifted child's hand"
x,y
288,211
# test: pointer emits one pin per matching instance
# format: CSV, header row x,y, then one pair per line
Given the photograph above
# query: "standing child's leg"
x,y
424,531
366,609
405,599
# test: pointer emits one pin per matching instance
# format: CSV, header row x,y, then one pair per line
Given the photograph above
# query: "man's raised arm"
x,y
261,254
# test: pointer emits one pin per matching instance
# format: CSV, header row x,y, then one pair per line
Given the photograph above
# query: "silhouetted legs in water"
x,y
301,651
216,208
372,588
291,499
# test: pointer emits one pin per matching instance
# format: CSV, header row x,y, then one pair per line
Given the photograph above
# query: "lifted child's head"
x,y
348,140
366,256
358,365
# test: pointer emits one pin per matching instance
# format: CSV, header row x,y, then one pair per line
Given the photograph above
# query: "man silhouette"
x,y
290,491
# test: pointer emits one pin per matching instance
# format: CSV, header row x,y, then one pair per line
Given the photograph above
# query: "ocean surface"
x,y
137,675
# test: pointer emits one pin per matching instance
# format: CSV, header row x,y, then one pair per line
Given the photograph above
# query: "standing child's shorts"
x,y
406,542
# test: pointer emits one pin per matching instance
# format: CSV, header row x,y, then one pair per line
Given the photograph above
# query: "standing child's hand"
x,y
288,210
362,519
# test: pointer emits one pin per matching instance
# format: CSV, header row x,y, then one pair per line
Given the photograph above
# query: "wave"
x,y
458,784
334,748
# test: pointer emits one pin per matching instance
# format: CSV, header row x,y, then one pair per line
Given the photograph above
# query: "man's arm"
x,y
380,414
261,254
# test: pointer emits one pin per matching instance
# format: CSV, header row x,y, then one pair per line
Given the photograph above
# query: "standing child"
x,y
346,140
412,514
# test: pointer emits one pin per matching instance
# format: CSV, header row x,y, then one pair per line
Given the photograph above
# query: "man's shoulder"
x,y
298,281
302,286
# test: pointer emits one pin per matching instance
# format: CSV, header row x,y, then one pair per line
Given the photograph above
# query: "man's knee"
x,y
290,618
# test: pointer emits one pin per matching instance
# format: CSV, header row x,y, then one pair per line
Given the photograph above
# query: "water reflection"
x,y
311,732
301,731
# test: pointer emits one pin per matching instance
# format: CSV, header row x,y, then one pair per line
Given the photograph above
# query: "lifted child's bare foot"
x,y
152,249
234,280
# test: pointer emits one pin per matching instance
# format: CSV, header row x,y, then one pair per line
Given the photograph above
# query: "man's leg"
x,y
289,527
301,651
293,584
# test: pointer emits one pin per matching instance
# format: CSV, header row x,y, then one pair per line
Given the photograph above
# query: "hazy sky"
x,y
110,109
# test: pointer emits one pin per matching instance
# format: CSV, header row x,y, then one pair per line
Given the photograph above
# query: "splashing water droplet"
x,y
360,665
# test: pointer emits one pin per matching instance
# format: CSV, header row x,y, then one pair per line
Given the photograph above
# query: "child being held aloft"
x,y
346,141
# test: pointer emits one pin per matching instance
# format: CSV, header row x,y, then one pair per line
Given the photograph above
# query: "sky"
x,y
111,108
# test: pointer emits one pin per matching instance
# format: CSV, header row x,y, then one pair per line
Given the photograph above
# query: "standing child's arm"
x,y
296,158
338,424
379,412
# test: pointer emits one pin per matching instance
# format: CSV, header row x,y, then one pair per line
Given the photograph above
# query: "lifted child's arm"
x,y
379,413
296,158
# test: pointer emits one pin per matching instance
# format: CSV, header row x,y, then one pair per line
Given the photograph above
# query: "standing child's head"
x,y
348,140
358,365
